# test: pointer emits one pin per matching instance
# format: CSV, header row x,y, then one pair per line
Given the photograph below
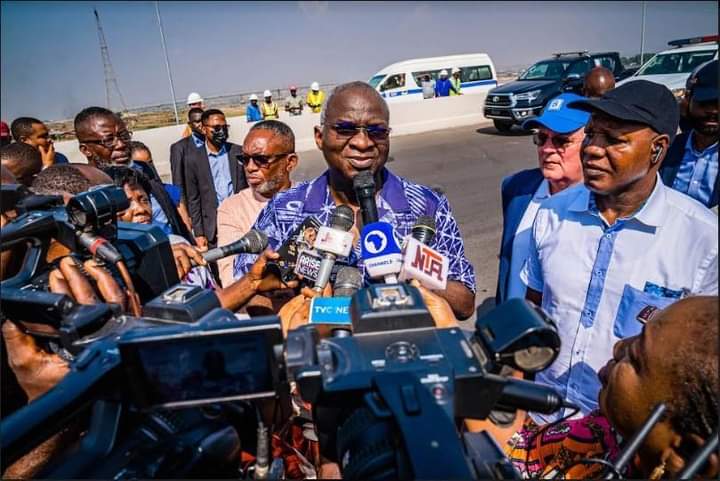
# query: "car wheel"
x,y
503,125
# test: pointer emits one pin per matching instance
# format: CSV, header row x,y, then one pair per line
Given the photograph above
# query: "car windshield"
x,y
375,81
548,70
679,62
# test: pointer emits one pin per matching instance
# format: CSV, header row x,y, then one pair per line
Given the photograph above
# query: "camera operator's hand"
x,y
69,279
439,308
202,243
185,255
296,312
37,371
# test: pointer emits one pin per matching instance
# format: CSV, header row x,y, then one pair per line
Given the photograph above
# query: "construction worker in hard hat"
x,y
194,101
252,111
443,85
294,104
269,108
455,82
315,98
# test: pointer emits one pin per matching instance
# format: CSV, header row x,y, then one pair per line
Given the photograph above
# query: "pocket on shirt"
x,y
632,303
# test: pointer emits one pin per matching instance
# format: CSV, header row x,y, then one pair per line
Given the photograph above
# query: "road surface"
x,y
468,164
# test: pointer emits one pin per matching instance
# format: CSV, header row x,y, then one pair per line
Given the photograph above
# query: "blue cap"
x,y
558,117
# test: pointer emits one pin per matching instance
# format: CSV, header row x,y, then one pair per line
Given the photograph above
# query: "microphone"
x,y
347,282
420,261
253,242
381,251
530,396
100,247
333,241
364,186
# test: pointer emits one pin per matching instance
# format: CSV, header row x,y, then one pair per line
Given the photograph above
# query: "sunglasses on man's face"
x,y
349,130
262,161
560,142
219,128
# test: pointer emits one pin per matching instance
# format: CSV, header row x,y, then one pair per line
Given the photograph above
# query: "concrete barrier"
x,y
405,118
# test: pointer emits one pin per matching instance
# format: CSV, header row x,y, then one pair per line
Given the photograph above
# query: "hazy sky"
x,y
51,66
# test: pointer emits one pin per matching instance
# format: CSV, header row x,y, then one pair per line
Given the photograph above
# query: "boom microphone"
x,y
332,242
253,242
364,186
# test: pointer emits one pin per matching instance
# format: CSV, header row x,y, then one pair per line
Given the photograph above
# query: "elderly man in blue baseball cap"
x,y
558,135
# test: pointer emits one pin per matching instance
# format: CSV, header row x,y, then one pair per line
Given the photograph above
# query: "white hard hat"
x,y
253,97
455,70
267,93
315,86
194,98
443,72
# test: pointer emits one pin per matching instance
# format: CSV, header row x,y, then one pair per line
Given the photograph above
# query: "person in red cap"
x,y
5,138
294,104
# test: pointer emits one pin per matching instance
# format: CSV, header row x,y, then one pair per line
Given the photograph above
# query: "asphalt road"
x,y
468,164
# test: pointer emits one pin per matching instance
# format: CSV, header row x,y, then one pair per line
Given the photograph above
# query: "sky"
x,y
51,68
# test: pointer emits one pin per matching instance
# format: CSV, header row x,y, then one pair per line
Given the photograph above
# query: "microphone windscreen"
x,y
257,241
424,229
342,218
347,281
364,180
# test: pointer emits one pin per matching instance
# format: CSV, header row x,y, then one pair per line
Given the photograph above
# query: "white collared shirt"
x,y
596,279
521,242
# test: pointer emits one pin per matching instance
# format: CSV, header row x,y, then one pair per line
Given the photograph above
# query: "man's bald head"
x,y
83,120
22,160
352,88
598,81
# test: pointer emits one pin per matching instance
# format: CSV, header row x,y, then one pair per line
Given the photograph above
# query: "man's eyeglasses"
x,y
219,128
110,142
262,161
560,142
349,130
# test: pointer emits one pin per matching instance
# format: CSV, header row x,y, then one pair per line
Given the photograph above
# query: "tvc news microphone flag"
x,y
380,251
424,264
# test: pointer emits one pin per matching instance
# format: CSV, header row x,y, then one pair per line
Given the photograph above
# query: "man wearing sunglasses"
x,y
268,158
354,136
212,174
604,255
558,138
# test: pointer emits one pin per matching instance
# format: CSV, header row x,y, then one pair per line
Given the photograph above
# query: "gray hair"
x,y
278,128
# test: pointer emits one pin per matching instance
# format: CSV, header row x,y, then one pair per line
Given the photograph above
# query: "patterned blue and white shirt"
x,y
399,203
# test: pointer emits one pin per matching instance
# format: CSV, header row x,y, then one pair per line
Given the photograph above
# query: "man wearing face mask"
x,y
691,166
212,174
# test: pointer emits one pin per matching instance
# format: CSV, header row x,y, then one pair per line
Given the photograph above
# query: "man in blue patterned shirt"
x,y
354,136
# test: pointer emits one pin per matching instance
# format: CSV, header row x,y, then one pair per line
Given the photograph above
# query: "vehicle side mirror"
x,y
572,78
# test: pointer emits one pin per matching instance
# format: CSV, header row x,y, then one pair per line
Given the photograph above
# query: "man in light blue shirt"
x,y
691,166
606,254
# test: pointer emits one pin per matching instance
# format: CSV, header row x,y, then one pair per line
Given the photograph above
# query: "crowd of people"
x,y
613,235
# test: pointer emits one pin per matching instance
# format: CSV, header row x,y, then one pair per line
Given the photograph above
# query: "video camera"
x,y
87,226
386,400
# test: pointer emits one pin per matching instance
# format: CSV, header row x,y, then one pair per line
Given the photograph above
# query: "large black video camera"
x,y
87,226
387,400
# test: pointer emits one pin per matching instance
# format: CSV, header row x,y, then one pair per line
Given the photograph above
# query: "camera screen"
x,y
204,369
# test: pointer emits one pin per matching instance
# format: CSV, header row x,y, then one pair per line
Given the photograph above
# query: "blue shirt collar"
x,y
652,213
689,146
199,142
392,193
220,153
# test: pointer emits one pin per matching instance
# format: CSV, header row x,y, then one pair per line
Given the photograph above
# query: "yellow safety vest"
x,y
456,85
269,110
315,101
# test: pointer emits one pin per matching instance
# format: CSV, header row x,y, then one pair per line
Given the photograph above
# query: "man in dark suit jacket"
x,y
212,174
691,164
558,140
179,150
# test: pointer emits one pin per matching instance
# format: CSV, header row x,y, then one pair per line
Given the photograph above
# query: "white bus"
x,y
401,81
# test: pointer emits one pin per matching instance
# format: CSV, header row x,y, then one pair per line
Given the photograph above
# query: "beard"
x,y
707,126
99,162
270,187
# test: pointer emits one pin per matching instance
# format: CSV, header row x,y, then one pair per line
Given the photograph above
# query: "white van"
x,y
401,81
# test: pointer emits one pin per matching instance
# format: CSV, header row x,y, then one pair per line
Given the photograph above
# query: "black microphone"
x,y
698,460
333,241
347,282
424,229
251,243
364,186
530,396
